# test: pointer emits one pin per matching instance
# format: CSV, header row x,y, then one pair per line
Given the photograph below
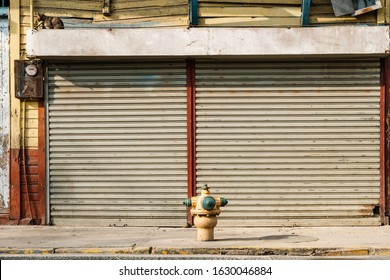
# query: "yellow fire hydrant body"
x,y
205,209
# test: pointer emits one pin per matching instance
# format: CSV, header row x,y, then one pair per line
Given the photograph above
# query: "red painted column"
x,y
15,192
191,133
385,138
41,163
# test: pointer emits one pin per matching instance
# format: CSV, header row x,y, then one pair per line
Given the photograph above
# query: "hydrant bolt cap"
x,y
208,203
224,201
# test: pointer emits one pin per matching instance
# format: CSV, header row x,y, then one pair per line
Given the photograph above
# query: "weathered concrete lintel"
x,y
217,42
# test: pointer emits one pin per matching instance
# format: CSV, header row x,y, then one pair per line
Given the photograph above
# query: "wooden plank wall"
x,y
124,13
321,13
261,13
30,198
146,13
30,126
387,11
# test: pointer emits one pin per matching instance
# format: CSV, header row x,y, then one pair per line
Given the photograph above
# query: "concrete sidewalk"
x,y
291,241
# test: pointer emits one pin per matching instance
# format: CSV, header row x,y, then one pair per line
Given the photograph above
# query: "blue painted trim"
x,y
194,12
305,12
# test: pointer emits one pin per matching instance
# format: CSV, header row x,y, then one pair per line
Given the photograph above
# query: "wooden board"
x,y
329,19
143,13
117,6
30,197
69,4
249,13
250,21
387,11
164,21
378,5
381,13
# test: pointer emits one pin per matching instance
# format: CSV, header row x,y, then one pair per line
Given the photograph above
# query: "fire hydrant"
x,y
205,209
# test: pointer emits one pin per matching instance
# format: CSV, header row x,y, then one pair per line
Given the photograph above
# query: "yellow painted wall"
x,y
30,125
14,20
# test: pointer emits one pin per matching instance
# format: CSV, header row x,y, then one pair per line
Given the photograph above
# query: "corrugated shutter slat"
x,y
118,144
290,143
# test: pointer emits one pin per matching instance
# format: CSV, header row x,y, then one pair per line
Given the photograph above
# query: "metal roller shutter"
x,y
290,143
117,143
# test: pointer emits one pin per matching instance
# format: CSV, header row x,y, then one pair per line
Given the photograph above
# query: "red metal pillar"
x,y
41,163
385,139
191,133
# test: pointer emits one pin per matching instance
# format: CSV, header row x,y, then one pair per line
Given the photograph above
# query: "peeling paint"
x,y
4,141
4,115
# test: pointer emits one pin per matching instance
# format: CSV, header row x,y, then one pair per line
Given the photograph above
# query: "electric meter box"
x,y
28,79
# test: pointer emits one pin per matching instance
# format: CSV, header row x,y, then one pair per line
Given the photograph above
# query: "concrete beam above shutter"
x,y
202,42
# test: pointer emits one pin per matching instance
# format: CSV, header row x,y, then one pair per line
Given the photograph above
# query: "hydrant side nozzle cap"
x,y
187,202
224,201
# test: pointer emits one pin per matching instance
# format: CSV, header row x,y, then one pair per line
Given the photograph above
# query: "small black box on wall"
x,y
28,79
